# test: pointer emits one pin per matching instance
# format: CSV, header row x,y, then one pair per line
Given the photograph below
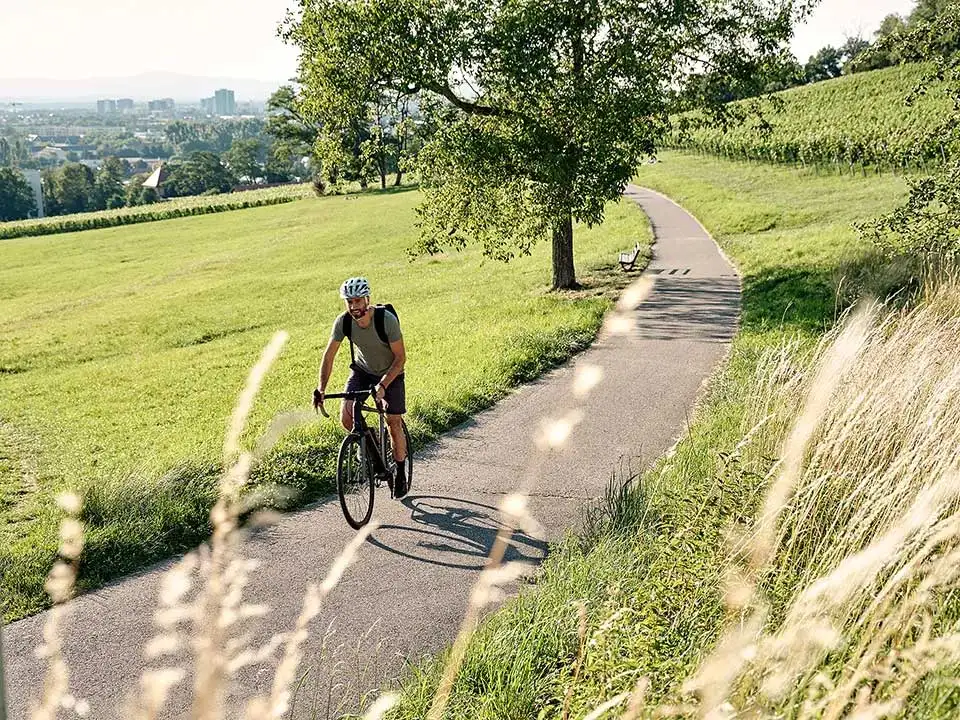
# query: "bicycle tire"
x,y
355,482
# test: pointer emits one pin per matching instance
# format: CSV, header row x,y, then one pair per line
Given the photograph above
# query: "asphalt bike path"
x,y
408,590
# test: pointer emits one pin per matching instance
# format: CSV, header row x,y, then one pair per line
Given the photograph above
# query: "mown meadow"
x,y
124,350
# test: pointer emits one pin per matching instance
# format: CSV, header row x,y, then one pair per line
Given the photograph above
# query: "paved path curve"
x,y
408,590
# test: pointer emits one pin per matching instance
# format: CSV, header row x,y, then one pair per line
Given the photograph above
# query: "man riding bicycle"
x,y
378,357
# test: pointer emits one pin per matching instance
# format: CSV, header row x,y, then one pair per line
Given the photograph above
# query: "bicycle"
x,y
365,459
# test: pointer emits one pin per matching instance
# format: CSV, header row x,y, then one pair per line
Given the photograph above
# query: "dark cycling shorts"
x,y
395,394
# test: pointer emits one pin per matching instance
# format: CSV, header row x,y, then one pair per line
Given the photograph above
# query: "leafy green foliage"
x,y
246,159
109,192
69,189
824,65
928,225
554,104
147,212
853,120
16,195
294,135
216,137
202,172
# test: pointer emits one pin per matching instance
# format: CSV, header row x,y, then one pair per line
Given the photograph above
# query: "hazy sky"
x,y
237,38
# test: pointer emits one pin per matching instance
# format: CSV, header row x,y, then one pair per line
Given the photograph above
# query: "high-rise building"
x,y
106,106
208,105
124,105
224,102
164,105
36,184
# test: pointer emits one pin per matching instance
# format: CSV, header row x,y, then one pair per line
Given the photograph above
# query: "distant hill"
x,y
146,86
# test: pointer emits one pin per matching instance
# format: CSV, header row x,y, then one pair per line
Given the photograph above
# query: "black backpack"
x,y
378,324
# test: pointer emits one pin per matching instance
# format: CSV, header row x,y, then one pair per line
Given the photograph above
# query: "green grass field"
x,y
650,567
124,350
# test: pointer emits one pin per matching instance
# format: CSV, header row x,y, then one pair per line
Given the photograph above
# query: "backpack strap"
x,y
346,327
379,323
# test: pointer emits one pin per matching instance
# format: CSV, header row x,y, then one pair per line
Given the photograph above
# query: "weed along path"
x,y
409,588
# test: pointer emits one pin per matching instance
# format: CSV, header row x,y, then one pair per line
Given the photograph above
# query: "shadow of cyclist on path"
x,y
454,533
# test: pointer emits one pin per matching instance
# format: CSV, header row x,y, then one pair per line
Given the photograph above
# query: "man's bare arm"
x,y
326,365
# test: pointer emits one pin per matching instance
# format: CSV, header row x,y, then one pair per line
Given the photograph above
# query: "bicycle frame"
x,y
360,425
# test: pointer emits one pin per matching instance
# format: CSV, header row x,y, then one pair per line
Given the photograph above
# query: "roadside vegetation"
x,y
125,348
651,571
796,555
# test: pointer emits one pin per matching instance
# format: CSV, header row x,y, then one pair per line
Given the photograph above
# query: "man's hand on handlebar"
x,y
318,401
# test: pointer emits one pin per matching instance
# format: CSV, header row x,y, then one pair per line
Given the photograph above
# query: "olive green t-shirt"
x,y
372,355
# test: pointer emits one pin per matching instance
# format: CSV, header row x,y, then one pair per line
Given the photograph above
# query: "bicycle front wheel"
x,y
355,482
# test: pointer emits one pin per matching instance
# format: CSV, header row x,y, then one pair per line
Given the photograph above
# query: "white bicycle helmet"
x,y
355,287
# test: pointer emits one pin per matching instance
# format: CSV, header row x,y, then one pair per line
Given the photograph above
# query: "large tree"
x,y
245,158
69,189
109,192
201,172
545,108
825,64
16,195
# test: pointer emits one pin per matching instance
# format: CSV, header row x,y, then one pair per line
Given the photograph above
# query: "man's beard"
x,y
357,314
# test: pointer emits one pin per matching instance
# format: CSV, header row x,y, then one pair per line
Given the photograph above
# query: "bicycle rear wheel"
x,y
355,482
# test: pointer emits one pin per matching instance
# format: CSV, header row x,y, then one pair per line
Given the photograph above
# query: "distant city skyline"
x,y
69,41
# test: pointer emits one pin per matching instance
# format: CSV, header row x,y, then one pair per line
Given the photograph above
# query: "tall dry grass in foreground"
x,y
842,593
201,617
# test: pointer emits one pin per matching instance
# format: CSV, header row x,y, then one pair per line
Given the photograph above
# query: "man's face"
x,y
358,306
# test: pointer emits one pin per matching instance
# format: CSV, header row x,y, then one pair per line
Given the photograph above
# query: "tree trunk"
x,y
382,166
564,274
396,183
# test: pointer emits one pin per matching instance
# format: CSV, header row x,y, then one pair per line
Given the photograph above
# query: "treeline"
x,y
860,55
855,55
381,137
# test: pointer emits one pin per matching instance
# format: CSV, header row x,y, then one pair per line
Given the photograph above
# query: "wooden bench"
x,y
629,259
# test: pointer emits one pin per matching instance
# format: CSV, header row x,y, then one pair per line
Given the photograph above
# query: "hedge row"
x,y
174,208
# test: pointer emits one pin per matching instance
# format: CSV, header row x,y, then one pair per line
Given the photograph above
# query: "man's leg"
x,y
397,438
346,414
396,397
357,381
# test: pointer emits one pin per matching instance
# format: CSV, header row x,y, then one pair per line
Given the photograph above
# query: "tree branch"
x,y
465,105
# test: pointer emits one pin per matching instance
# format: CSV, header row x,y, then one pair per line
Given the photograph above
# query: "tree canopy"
x,y
16,195
927,226
200,173
540,112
